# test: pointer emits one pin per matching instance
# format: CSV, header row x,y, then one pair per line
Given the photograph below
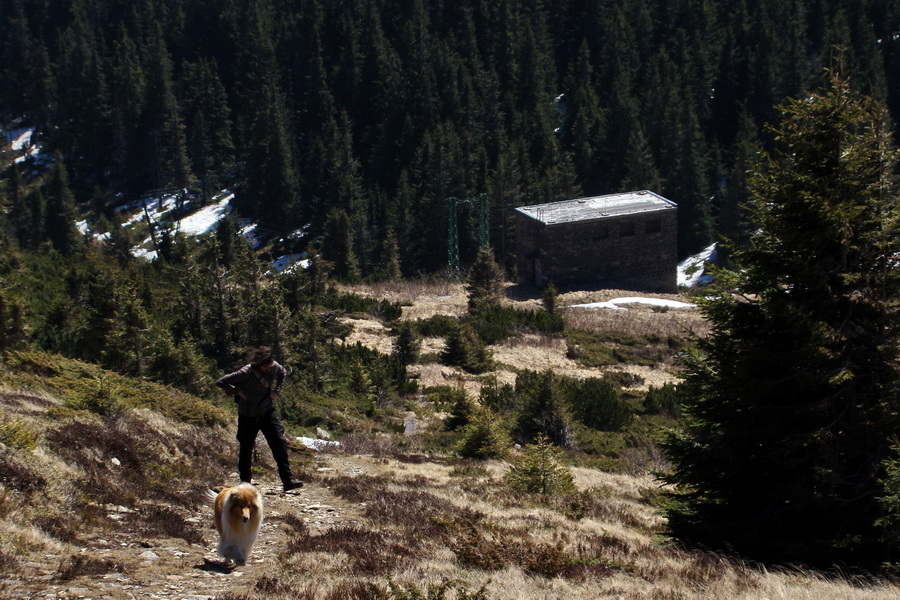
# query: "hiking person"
x,y
255,388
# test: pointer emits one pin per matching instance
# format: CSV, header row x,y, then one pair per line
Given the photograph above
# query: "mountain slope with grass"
x,y
103,496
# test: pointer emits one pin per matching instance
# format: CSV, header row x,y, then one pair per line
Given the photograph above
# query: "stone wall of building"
x,y
637,250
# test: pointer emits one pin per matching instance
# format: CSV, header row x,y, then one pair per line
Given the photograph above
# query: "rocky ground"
x,y
157,569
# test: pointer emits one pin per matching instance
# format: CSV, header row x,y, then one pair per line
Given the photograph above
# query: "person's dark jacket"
x,y
256,386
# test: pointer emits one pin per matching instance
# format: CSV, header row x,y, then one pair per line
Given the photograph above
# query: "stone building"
x,y
627,240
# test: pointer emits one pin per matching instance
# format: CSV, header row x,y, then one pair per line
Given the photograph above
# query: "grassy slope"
x,y
85,497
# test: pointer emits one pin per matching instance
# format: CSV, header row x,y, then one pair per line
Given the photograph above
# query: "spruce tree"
x,y
484,283
792,400
390,257
61,214
544,412
337,244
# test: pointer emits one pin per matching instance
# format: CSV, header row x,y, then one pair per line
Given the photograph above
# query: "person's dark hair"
x,y
261,355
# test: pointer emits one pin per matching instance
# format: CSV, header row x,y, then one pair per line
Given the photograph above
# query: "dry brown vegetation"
x,y
114,507
530,351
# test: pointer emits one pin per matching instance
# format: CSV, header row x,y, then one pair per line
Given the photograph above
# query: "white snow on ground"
x,y
205,220
316,444
289,262
197,223
692,270
19,139
615,302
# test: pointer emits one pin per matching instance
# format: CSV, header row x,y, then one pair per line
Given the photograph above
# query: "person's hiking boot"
x,y
293,484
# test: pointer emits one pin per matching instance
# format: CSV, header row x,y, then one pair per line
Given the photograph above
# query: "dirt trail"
x,y
157,569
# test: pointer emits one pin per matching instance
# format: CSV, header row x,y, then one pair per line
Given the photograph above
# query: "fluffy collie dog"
x,y
238,514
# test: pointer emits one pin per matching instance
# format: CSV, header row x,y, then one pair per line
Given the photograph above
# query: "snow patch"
x,y
205,220
615,302
692,270
316,444
290,262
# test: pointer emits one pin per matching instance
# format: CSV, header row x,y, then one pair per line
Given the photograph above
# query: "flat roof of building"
x,y
598,207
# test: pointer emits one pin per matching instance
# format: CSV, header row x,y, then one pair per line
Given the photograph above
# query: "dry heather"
x,y
113,508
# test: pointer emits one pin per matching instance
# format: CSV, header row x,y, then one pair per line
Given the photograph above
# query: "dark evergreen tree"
x,y
207,124
792,401
80,119
587,129
61,214
268,189
640,165
390,257
484,283
543,410
163,122
408,343
128,95
598,404
337,244
463,348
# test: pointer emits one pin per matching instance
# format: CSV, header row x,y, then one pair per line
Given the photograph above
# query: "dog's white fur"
x,y
238,513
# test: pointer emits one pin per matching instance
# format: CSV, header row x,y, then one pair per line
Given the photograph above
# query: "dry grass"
x,y
530,351
639,320
408,526
427,524
402,525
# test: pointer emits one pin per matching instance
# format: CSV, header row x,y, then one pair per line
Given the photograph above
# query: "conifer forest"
x,y
376,112
342,127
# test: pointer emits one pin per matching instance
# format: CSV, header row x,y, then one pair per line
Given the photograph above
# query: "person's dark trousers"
x,y
271,428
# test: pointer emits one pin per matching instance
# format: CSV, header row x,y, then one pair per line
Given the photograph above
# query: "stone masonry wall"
x,y
633,250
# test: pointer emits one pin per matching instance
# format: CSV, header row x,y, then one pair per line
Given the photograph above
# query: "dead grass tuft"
x,y
18,476
65,530
8,562
368,551
639,321
273,586
163,521
366,443
356,589
81,565
419,514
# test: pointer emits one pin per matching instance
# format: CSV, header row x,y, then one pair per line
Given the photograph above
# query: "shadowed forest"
x,y
357,120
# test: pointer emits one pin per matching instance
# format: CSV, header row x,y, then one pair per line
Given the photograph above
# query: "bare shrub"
x,y
420,515
369,552
163,521
273,586
18,476
61,529
366,443
495,549
357,589
80,565
298,526
411,591
474,548
8,562
358,489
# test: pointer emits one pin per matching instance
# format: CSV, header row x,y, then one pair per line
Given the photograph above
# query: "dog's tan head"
x,y
244,502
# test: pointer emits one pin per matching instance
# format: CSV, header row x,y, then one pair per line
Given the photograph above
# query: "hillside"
x,y
103,497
